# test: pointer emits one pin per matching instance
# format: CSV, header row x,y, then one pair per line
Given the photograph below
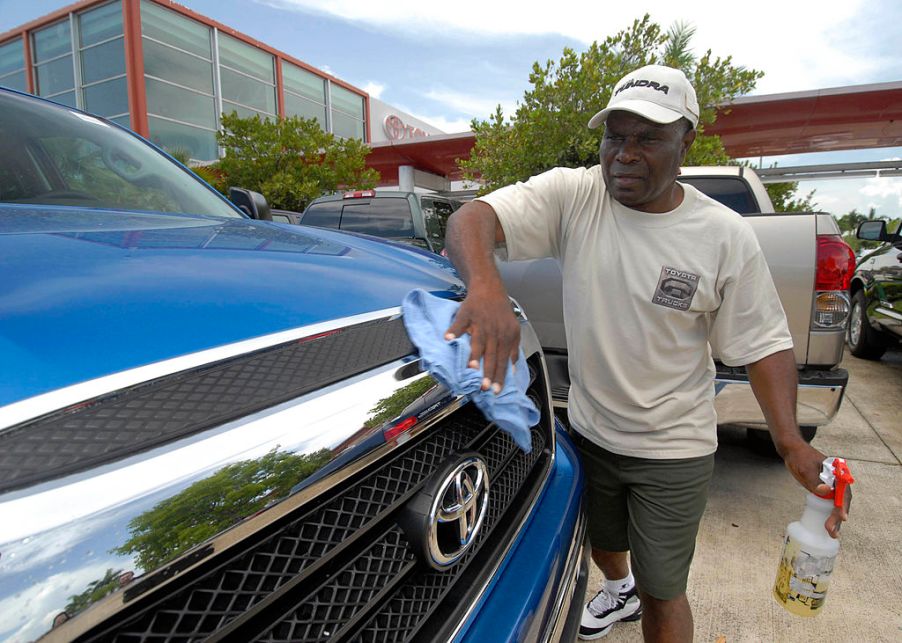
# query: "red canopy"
x,y
824,120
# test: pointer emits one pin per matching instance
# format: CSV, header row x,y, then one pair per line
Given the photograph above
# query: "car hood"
x,y
90,293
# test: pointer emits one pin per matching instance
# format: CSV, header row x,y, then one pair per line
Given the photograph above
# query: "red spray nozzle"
x,y
843,478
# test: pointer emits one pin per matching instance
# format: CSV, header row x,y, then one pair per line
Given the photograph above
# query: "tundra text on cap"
x,y
660,94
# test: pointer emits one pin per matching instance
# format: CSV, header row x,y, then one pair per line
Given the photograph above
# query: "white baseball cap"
x,y
658,93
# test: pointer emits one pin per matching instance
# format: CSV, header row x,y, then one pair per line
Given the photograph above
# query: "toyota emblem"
x,y
446,516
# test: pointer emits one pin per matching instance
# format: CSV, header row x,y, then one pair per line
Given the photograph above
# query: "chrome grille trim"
x,y
136,419
40,405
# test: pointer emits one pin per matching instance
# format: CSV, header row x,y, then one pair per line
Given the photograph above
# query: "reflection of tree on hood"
x,y
391,407
214,504
95,591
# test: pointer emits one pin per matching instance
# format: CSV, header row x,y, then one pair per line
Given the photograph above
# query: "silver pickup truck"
x,y
811,266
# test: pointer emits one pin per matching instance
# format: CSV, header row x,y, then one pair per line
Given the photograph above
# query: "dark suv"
x,y
417,219
875,322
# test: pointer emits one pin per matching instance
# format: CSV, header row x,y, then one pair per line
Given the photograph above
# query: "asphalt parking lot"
x,y
752,500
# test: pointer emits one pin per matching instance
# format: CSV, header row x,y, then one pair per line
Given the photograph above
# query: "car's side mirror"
x,y
872,231
253,204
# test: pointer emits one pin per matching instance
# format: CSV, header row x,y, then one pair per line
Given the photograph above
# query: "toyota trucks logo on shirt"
x,y
675,288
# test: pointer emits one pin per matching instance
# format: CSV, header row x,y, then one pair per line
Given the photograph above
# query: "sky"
x,y
449,62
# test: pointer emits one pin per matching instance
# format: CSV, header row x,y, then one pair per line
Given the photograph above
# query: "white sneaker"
x,y
606,609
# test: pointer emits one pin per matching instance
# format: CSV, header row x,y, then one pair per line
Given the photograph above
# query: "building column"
x,y
409,177
134,66
405,178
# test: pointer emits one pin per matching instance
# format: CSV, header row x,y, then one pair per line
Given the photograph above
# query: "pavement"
x,y
752,499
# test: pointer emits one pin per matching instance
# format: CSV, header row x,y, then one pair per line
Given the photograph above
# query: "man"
x,y
655,274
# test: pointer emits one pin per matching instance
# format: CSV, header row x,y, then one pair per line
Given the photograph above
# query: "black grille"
x,y
343,569
145,416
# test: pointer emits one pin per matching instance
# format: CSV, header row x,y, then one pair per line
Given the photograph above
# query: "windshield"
x,y
53,155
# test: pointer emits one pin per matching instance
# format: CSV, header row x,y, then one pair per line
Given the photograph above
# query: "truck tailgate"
x,y
789,244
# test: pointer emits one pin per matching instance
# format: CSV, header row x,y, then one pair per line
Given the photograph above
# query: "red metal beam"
x,y
828,120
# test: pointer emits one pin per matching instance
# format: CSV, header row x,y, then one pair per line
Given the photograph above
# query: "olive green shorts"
x,y
651,508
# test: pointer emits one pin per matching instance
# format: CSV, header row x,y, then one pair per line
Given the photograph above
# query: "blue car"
x,y
216,427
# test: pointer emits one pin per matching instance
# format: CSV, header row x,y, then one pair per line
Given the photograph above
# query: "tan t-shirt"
x,y
645,298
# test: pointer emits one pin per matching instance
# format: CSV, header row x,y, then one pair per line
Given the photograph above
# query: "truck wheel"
x,y
863,340
760,442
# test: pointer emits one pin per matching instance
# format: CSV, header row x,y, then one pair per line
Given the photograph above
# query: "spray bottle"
x,y
809,552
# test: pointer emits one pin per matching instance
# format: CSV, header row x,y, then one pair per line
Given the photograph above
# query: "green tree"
x,y
549,129
95,591
209,506
290,161
391,407
785,199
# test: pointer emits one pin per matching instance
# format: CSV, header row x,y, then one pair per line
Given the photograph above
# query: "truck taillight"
x,y
359,194
835,263
835,266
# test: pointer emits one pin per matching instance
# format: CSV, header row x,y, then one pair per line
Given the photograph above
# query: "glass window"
x,y
178,67
12,58
388,217
82,161
296,106
169,27
200,144
345,126
12,65
109,98
347,101
734,193
302,82
54,77
52,41
180,104
243,112
100,24
67,99
246,91
14,81
436,213
124,120
237,55
323,215
103,61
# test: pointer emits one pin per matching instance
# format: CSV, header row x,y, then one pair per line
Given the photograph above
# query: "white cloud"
x,y
798,44
450,126
470,104
29,614
888,190
374,89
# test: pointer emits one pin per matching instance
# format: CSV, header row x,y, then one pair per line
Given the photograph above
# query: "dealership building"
x,y
168,73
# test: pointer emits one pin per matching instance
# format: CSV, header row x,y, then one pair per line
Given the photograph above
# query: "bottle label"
x,y
802,579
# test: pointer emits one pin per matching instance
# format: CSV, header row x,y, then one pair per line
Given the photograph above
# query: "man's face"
x,y
640,160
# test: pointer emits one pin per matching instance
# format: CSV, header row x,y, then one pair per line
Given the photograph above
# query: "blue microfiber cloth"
x,y
427,318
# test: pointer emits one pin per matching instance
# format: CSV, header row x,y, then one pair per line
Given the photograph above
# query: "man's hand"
x,y
494,334
774,381
486,313
804,462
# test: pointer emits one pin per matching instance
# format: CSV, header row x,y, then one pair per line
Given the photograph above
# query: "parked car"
x,y
286,216
215,427
408,217
875,322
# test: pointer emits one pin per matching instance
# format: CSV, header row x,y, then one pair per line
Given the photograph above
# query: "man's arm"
x,y
774,381
486,313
